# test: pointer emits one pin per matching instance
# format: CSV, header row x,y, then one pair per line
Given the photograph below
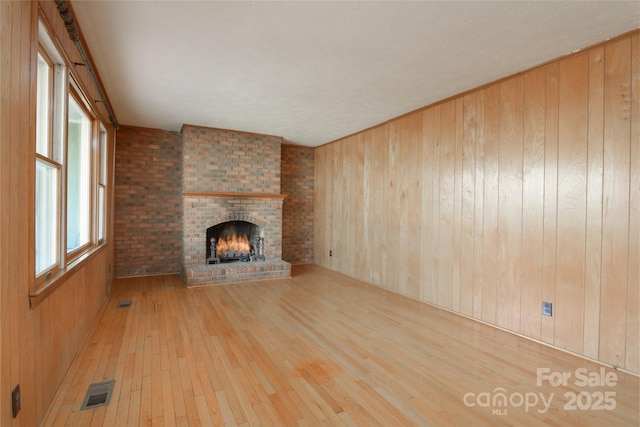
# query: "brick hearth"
x,y
236,272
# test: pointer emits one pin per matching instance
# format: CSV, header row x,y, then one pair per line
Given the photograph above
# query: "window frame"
x,y
64,85
42,51
102,173
54,268
80,100
56,134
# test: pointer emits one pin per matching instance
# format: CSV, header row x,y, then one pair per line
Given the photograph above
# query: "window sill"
x,y
56,280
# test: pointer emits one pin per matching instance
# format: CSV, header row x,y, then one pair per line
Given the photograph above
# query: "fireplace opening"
x,y
234,241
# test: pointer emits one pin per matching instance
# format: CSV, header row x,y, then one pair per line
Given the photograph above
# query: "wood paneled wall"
x,y
37,345
522,191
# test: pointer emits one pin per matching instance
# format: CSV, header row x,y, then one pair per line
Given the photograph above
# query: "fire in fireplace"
x,y
229,246
234,241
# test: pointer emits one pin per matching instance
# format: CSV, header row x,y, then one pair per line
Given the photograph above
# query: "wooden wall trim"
x,y
232,194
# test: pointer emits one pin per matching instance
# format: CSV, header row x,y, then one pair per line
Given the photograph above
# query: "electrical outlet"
x,y
15,401
547,308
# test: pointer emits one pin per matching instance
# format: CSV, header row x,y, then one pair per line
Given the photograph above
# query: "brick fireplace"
x,y
230,176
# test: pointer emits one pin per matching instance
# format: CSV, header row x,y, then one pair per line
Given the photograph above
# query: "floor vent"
x,y
98,394
124,304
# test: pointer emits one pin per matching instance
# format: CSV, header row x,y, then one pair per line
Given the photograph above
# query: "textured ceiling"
x,y
313,72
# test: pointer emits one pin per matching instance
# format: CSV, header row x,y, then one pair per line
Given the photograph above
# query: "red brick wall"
x,y
297,214
148,202
228,161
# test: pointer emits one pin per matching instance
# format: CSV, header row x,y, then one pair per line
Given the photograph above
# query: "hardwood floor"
x,y
322,349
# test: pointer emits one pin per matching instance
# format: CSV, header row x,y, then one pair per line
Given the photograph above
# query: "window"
x,y
78,176
47,214
102,186
70,166
50,90
44,103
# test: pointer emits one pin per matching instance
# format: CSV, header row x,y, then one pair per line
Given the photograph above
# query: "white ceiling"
x,y
313,72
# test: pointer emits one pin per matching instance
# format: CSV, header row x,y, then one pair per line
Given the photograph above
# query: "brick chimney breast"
x,y
230,175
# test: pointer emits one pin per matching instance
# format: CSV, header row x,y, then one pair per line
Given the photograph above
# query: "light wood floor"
x,y
318,349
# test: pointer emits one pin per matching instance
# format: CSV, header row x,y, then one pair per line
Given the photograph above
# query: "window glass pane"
x,y
102,213
78,176
46,216
58,116
101,216
43,108
103,157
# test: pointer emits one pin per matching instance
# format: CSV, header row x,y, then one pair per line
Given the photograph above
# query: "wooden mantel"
x,y
233,194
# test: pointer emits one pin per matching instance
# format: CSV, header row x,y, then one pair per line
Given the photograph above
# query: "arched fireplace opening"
x,y
234,241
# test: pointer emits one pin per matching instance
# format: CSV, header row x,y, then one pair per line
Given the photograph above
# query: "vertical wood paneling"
x,y
447,208
510,204
522,191
633,298
427,207
338,207
593,247
572,196
356,223
369,252
468,173
457,205
615,214
21,180
61,332
550,200
490,215
478,248
532,203
5,199
320,171
29,335
347,244
434,290
15,93
343,209
393,209
410,204
328,208
380,161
